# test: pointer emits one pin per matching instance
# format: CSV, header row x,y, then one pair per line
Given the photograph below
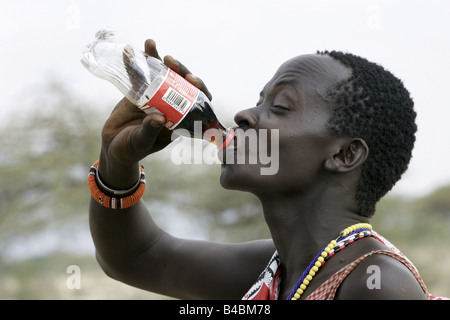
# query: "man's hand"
x,y
129,134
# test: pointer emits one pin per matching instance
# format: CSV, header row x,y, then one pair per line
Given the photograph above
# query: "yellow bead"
x,y
333,242
318,264
309,277
330,245
320,259
293,298
305,282
315,269
327,249
324,254
302,286
312,273
296,296
299,291
354,227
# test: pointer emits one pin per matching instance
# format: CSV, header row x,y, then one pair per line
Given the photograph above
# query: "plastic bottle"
x,y
153,87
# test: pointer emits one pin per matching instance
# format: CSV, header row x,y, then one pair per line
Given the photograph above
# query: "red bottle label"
x,y
174,98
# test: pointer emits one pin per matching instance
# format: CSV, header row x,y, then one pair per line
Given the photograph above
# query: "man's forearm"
x,y
120,234
117,175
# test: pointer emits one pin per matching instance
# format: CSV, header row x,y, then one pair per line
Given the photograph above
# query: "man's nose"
x,y
247,118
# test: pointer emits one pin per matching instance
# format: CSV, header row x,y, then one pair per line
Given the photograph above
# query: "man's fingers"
x,y
176,66
199,84
150,48
181,69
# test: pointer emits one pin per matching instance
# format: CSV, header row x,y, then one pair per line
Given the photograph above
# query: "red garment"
x,y
268,283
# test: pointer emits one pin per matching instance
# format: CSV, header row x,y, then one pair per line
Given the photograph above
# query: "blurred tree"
x,y
43,159
419,228
437,203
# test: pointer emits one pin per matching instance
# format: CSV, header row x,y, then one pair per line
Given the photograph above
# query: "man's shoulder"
x,y
381,276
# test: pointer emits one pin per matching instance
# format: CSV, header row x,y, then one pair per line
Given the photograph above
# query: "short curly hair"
x,y
374,105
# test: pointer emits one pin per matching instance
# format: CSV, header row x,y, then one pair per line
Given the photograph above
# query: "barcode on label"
x,y
176,100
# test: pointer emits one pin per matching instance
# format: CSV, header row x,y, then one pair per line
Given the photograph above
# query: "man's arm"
x,y
131,248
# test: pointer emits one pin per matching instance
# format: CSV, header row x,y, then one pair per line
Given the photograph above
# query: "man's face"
x,y
293,102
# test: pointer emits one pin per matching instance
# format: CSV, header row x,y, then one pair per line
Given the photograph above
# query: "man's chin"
x,y
230,177
236,177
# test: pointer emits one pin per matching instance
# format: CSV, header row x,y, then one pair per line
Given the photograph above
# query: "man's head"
x,y
373,104
335,113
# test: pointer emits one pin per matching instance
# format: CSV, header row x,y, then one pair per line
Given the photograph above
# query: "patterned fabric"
x,y
268,283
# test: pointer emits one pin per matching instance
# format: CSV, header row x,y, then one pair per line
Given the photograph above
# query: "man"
x,y
346,132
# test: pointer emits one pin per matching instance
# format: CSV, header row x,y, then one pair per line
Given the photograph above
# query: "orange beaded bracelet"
x,y
114,201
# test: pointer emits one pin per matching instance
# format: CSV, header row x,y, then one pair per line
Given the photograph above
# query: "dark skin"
x,y
306,203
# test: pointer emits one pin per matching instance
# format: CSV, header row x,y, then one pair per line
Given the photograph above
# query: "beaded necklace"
x,y
346,237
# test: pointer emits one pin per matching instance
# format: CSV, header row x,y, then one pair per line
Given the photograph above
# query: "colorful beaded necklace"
x,y
346,237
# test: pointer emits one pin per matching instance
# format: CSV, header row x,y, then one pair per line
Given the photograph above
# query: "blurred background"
x,y
52,111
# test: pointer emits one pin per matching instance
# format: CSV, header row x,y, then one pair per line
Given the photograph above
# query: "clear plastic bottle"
x,y
153,87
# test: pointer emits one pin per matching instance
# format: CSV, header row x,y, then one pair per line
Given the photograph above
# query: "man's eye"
x,y
280,107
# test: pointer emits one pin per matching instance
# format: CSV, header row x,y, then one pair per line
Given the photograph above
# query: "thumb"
x,y
154,121
145,137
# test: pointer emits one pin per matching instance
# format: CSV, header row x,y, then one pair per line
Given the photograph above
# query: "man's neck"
x,y
301,225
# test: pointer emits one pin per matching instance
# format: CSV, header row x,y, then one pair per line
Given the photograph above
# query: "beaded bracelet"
x,y
117,200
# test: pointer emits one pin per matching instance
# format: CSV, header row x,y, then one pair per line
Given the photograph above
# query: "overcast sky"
x,y
235,47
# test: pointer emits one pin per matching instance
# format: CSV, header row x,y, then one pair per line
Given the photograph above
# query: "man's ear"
x,y
350,154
